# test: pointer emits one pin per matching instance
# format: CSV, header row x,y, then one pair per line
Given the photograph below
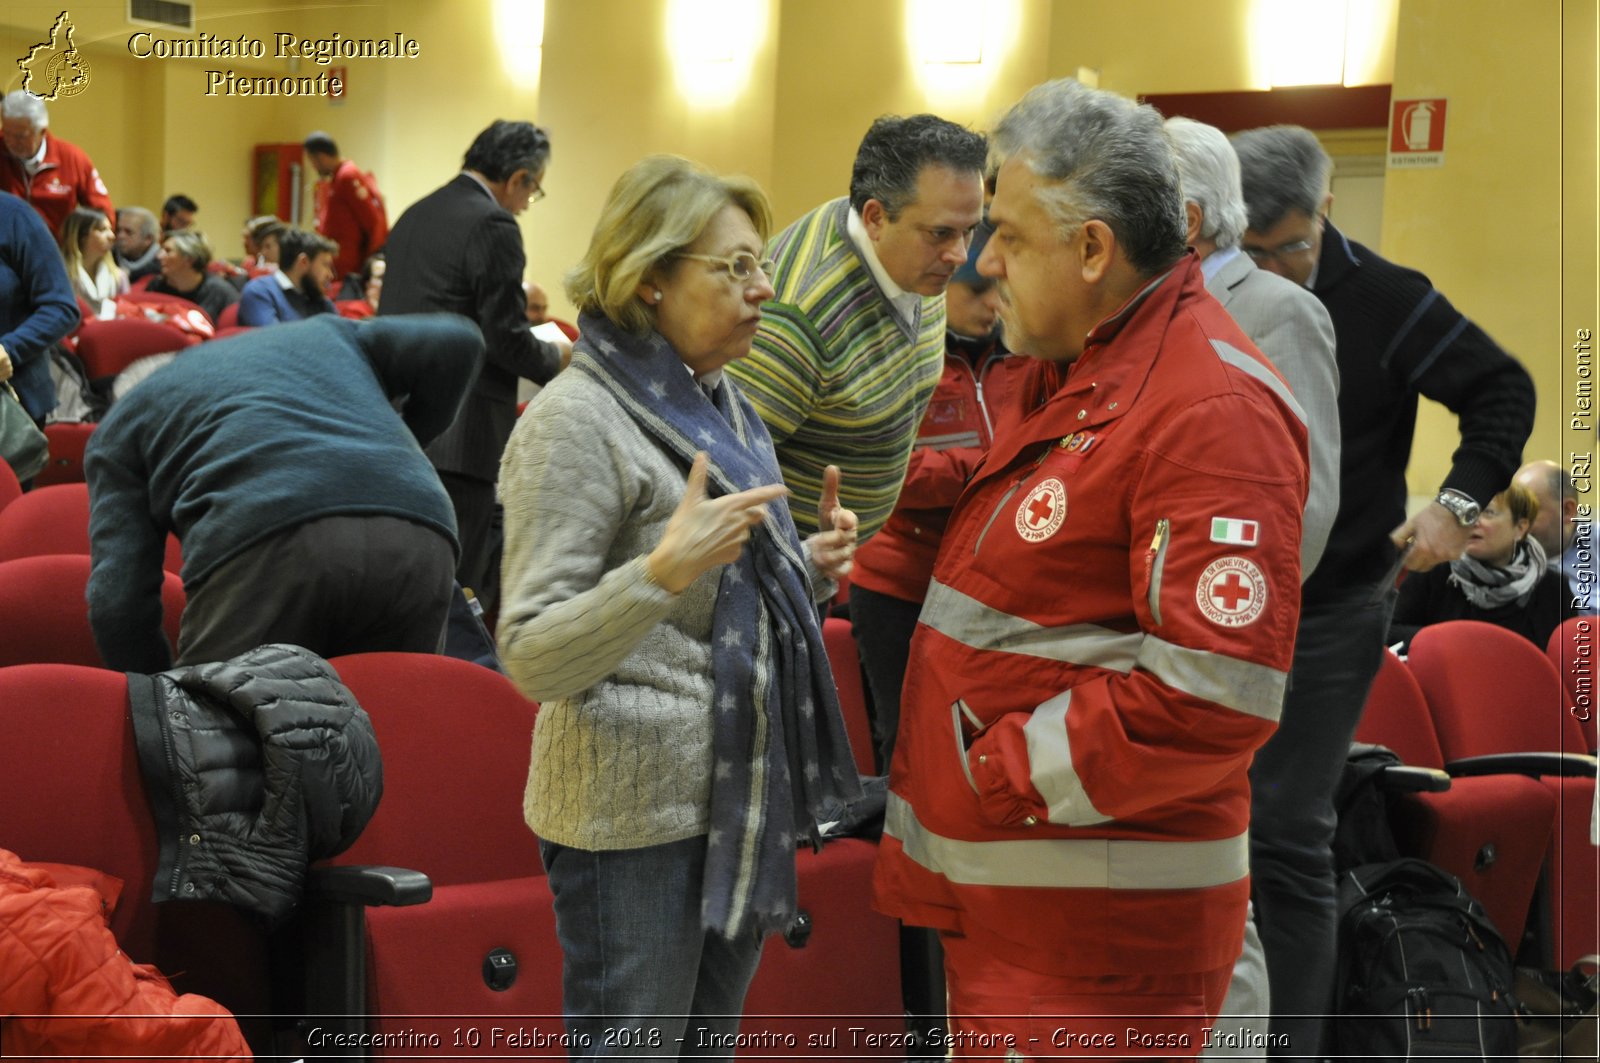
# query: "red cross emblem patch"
x,y
1042,511
1231,592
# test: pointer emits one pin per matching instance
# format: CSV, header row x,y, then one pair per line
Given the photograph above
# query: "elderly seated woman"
x,y
87,237
1502,579
185,254
659,603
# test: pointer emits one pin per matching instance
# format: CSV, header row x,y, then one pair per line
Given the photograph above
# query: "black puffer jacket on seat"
x,y
254,767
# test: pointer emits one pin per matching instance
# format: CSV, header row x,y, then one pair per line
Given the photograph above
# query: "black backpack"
x,y
1422,970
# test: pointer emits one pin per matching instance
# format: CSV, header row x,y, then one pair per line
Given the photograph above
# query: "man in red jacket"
x,y
350,209
51,174
1109,627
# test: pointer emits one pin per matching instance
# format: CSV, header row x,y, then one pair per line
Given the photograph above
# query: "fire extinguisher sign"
x,y
1416,133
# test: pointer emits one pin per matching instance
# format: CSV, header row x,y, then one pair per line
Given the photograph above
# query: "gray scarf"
x,y
1489,587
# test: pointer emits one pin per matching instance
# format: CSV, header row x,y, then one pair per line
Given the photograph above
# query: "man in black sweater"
x,y
1397,337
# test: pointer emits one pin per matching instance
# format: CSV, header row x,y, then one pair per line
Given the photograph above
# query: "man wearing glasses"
x,y
458,249
852,344
1396,338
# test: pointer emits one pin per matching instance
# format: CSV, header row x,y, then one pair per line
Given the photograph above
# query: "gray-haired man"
x,y
1397,338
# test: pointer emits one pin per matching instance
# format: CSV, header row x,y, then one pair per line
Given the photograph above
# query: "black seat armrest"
x,y
392,887
1579,765
1408,779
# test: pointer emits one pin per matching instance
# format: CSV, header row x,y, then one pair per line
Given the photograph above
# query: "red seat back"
x,y
229,318
1396,715
106,348
846,664
71,792
67,440
55,520
10,488
48,615
1491,691
1572,650
70,789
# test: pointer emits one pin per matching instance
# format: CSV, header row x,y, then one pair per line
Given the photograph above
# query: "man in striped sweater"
x,y
852,343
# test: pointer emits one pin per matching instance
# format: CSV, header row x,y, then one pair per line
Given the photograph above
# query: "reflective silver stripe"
x,y
974,624
950,439
1050,765
1070,863
1239,360
1244,686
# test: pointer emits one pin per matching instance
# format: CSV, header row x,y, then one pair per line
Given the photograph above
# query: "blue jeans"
x,y
1337,651
640,976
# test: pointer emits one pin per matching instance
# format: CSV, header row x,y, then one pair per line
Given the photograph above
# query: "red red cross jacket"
x,y
350,212
1105,642
67,179
969,405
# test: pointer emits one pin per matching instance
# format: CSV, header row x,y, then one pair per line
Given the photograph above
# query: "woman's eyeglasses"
x,y
742,267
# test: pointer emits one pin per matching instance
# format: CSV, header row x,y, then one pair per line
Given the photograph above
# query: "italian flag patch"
x,y
1235,532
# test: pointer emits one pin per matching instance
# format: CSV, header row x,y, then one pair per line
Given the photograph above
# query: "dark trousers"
x,y
1337,651
883,626
478,530
346,584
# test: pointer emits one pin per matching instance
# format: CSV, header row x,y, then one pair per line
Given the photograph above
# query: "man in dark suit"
x,y
459,249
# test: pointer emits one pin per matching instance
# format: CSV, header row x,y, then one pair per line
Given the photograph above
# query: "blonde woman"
x,y
87,237
658,602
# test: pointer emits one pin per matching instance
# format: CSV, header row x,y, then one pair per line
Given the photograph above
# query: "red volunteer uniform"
x,y
67,179
1105,642
968,407
350,212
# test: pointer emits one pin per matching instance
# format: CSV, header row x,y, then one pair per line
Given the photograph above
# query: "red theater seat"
x,y
47,616
1491,832
67,440
106,348
1574,648
456,740
1498,705
55,520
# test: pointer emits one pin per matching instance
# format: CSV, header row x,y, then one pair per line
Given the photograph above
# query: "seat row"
x,y
475,963
1484,706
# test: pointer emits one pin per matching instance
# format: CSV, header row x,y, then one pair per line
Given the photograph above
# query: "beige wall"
x,y
1488,226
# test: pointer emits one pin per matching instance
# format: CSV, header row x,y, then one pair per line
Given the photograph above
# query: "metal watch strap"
x,y
1460,505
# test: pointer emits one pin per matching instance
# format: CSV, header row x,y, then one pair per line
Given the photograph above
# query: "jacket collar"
x,y
1117,359
1338,258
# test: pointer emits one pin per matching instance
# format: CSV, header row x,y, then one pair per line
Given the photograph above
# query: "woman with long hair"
x,y
87,237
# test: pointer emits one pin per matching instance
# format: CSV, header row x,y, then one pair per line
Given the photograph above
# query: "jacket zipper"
x,y
182,855
1155,561
1012,490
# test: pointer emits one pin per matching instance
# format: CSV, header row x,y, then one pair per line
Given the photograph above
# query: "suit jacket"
x,y
458,250
1294,331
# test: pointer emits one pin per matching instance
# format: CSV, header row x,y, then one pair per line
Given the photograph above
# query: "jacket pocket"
x,y
1155,561
961,715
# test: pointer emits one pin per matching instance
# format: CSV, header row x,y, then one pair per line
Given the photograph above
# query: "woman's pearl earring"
x,y
658,295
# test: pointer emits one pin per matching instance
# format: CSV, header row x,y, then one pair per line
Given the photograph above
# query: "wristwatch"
x,y
1461,506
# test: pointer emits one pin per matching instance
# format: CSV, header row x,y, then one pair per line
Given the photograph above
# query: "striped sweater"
x,y
837,374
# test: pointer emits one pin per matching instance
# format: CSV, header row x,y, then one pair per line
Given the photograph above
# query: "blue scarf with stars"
x,y
779,749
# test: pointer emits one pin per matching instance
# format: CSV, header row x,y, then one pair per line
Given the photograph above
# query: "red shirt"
x,y
350,211
67,179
